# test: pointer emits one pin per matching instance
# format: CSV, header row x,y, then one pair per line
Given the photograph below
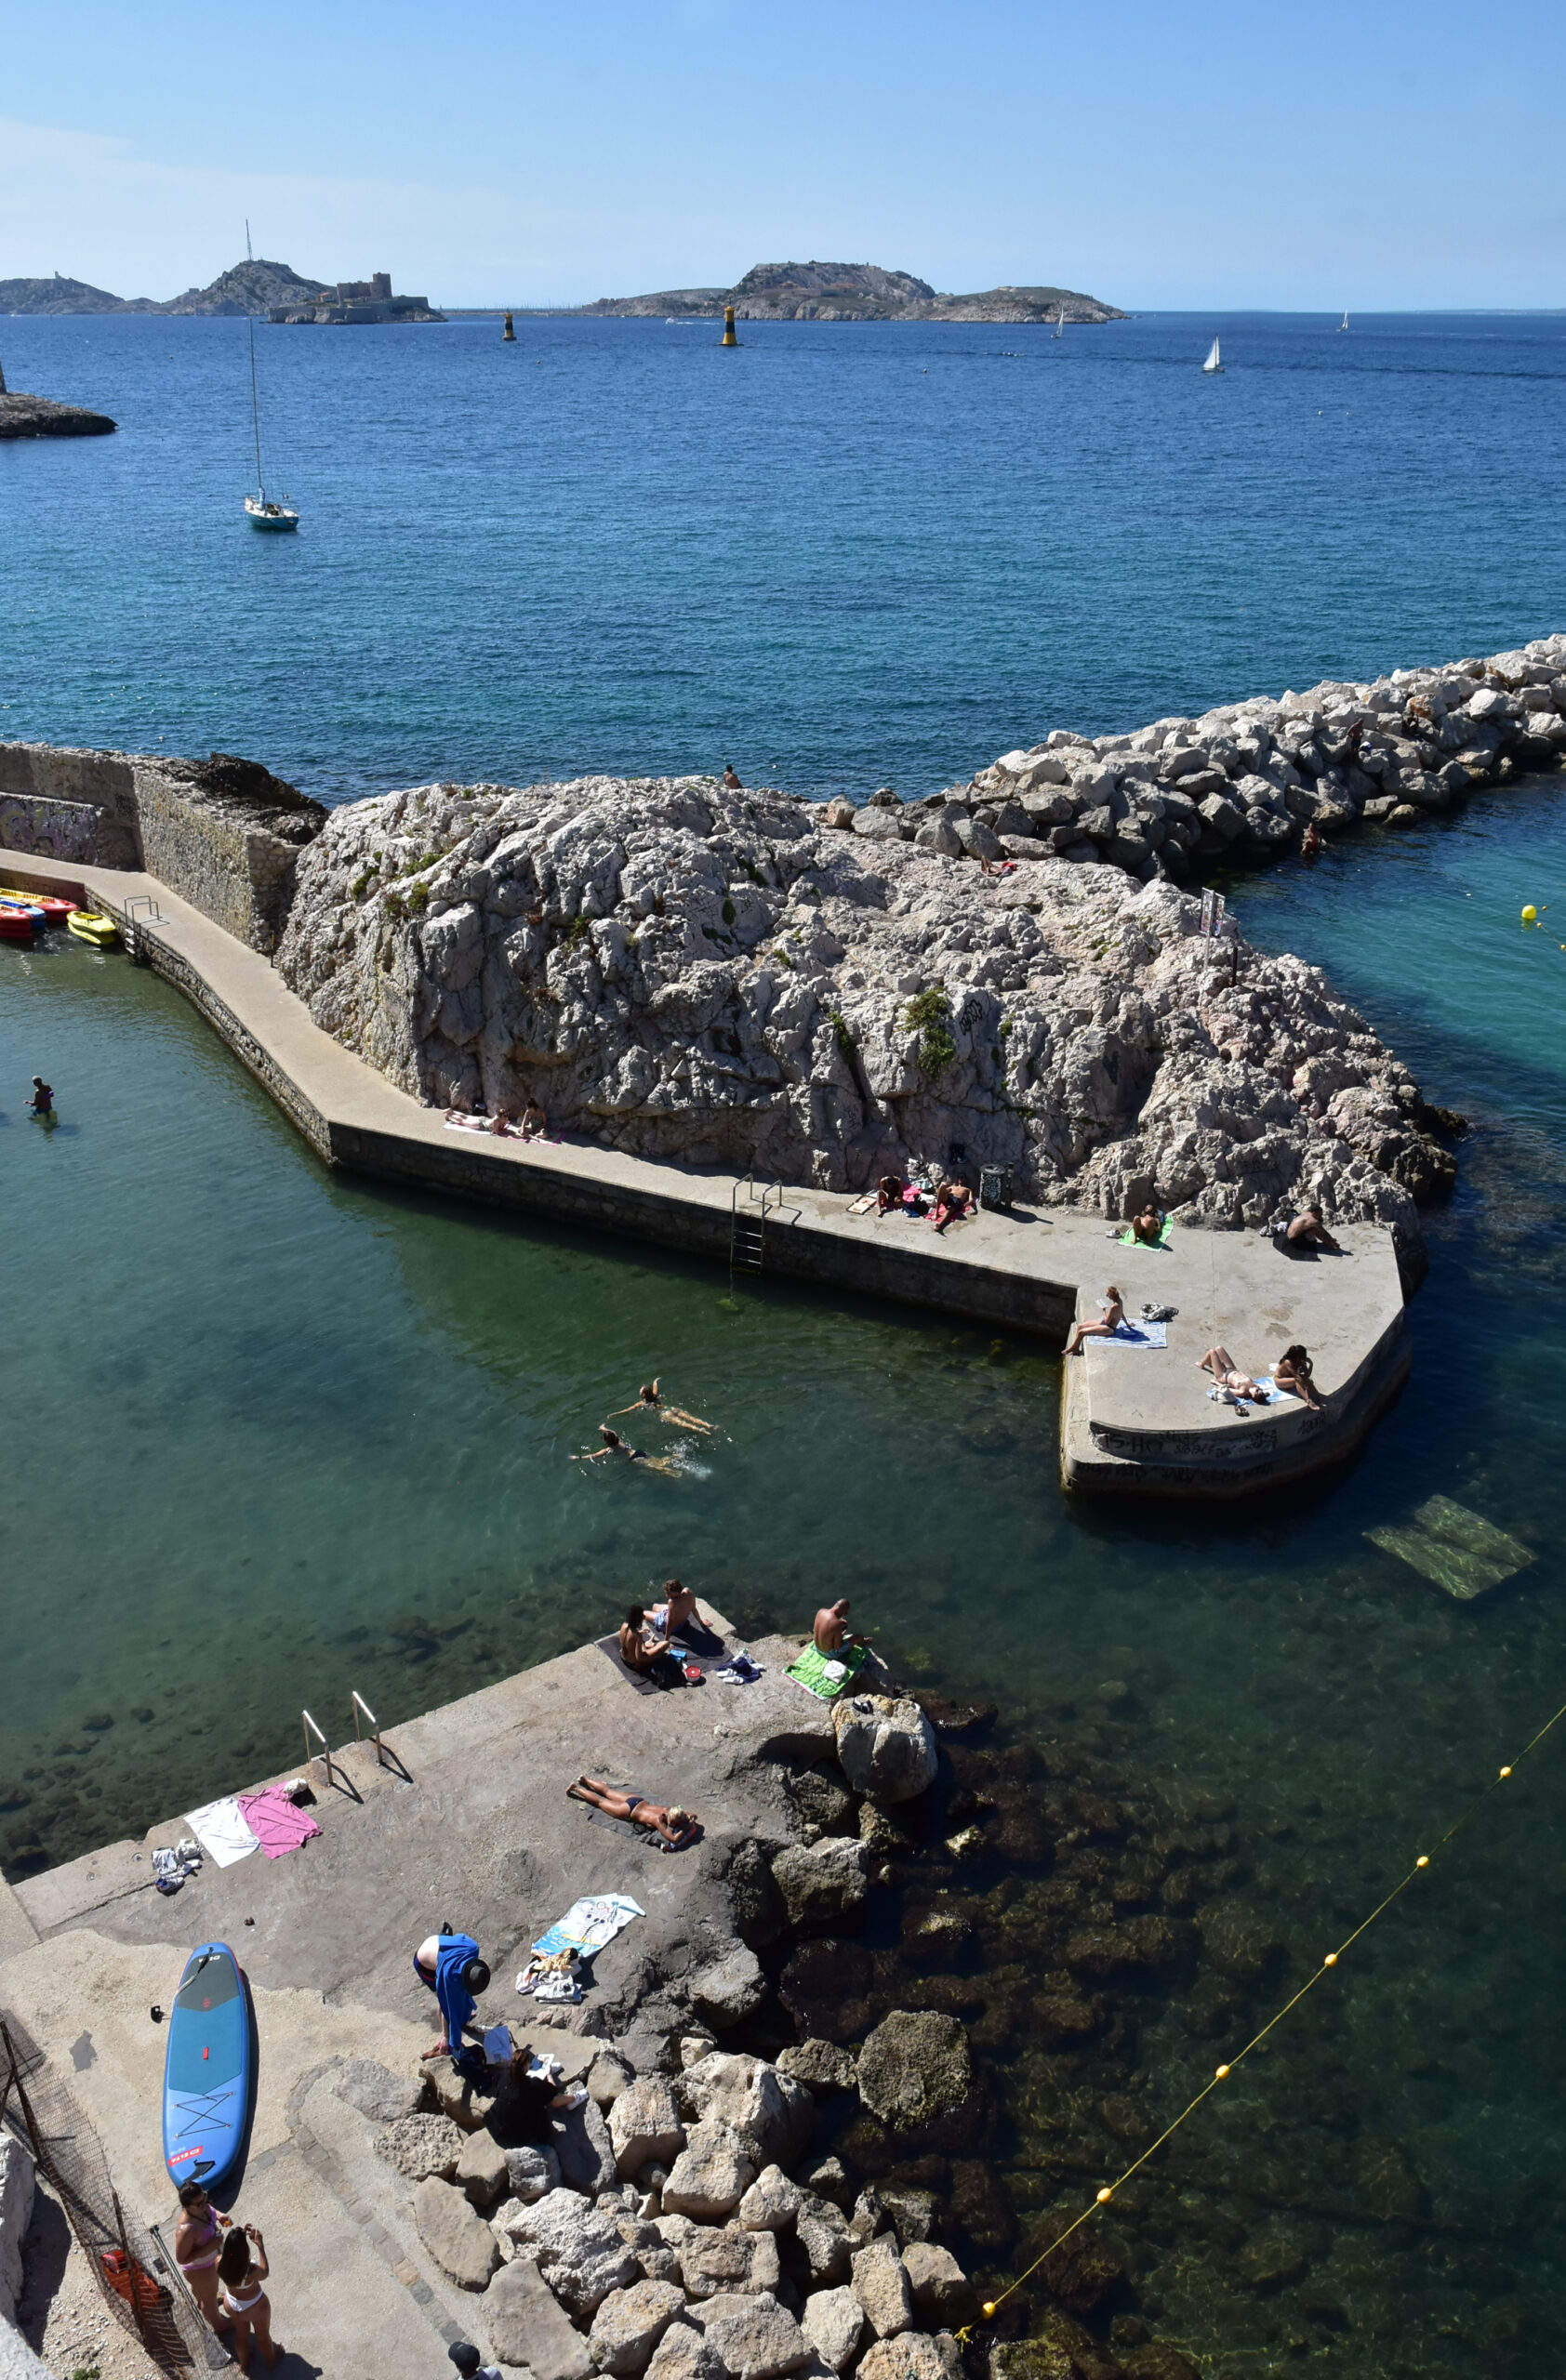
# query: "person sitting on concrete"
x,y
650,1399
1111,1315
241,2288
678,1608
1147,1226
42,1097
1227,1372
648,1655
890,1192
534,1124
830,1633
731,778
953,1200
1308,1231
1291,1375
673,1825
466,2357
450,1965
198,2240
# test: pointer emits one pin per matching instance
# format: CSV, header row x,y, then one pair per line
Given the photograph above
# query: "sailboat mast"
x,y
255,408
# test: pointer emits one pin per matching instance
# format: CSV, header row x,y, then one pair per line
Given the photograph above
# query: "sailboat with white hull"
x,y
1215,359
264,511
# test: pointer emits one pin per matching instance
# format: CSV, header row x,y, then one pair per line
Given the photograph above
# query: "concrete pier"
x,y
1134,1422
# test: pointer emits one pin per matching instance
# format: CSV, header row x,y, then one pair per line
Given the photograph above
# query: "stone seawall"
x,y
223,833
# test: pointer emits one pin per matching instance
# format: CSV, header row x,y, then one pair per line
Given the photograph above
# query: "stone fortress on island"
x,y
358,302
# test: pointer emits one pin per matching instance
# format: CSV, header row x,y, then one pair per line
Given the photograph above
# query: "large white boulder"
x,y
886,1748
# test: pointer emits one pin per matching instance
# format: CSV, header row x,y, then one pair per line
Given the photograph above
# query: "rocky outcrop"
x,y
887,1748
860,293
24,417
720,978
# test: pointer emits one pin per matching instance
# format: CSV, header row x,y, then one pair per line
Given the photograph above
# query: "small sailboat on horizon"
x,y
264,511
1060,330
1344,325
1215,359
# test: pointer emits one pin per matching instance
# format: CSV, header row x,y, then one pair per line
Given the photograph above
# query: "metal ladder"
x,y
134,947
748,1231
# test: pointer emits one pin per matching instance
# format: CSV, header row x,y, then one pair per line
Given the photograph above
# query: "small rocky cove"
x,y
973,1987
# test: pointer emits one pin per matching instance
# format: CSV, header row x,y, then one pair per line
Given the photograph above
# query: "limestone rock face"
x,y
421,2145
378,2093
684,2354
481,2171
888,1749
881,2284
629,2325
821,1881
526,2326
729,2263
579,2252
771,2202
532,2173
754,2338
462,2245
773,2115
644,2125
710,2175
833,2322
942,2292
719,978
915,2066
730,1990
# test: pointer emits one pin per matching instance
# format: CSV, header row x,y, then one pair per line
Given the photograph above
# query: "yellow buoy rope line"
x,y
1222,2073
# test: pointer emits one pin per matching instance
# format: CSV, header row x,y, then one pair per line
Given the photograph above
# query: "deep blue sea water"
x,y
842,555
272,1425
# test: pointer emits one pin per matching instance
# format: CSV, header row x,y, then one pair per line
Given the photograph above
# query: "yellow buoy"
x,y
1529,915
508,332
729,339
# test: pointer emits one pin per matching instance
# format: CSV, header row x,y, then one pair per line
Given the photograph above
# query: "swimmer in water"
x,y
650,1400
614,1445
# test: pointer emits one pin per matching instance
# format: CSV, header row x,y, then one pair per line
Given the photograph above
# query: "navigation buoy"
x,y
508,332
728,338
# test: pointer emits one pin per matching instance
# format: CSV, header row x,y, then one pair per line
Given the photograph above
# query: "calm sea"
x,y
269,1426
842,555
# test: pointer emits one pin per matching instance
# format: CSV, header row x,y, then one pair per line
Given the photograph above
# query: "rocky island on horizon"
x,y
254,286
860,293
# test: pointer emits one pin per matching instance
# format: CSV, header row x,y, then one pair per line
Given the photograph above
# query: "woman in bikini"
x,y
672,1825
198,2238
1113,1314
1292,1373
241,2288
614,1445
1149,1225
650,1400
1227,1372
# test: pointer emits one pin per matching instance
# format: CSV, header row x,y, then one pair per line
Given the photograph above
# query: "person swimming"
x,y
650,1399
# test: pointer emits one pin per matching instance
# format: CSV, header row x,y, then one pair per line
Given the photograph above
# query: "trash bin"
x,y
995,1186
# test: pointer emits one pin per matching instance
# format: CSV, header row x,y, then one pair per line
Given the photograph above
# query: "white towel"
x,y
1134,1334
223,1831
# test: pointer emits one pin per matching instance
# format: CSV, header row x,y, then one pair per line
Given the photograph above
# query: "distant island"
x,y
254,287
860,293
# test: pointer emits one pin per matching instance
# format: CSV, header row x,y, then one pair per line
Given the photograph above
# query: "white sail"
x,y
1215,360
1344,325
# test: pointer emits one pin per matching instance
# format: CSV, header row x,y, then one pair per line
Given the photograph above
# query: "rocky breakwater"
x,y
1241,783
728,979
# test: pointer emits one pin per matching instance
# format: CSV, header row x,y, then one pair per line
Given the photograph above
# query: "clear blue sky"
x,y
1223,153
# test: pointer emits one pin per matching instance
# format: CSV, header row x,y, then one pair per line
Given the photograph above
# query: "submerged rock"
x,y
915,2066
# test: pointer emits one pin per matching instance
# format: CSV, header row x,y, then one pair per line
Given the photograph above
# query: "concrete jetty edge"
x,y
1132,1422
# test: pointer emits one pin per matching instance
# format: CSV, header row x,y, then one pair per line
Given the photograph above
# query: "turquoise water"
x,y
844,555
276,1435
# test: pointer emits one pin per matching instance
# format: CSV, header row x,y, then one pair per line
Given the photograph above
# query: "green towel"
x,y
810,1671
1128,1237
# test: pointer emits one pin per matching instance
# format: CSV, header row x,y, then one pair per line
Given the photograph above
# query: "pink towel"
x,y
278,1824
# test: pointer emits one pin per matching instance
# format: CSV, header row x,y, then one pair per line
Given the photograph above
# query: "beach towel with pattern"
x,y
811,1670
588,1924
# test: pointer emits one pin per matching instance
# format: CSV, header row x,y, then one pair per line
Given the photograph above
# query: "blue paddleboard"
x,y
207,2075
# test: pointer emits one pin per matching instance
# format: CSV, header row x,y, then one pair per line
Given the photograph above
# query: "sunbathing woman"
x,y
534,1126
1293,1374
648,1400
952,1202
672,1825
1149,1225
1227,1372
1113,1314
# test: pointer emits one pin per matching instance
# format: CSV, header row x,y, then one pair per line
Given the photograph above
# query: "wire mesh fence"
x,y
129,2260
